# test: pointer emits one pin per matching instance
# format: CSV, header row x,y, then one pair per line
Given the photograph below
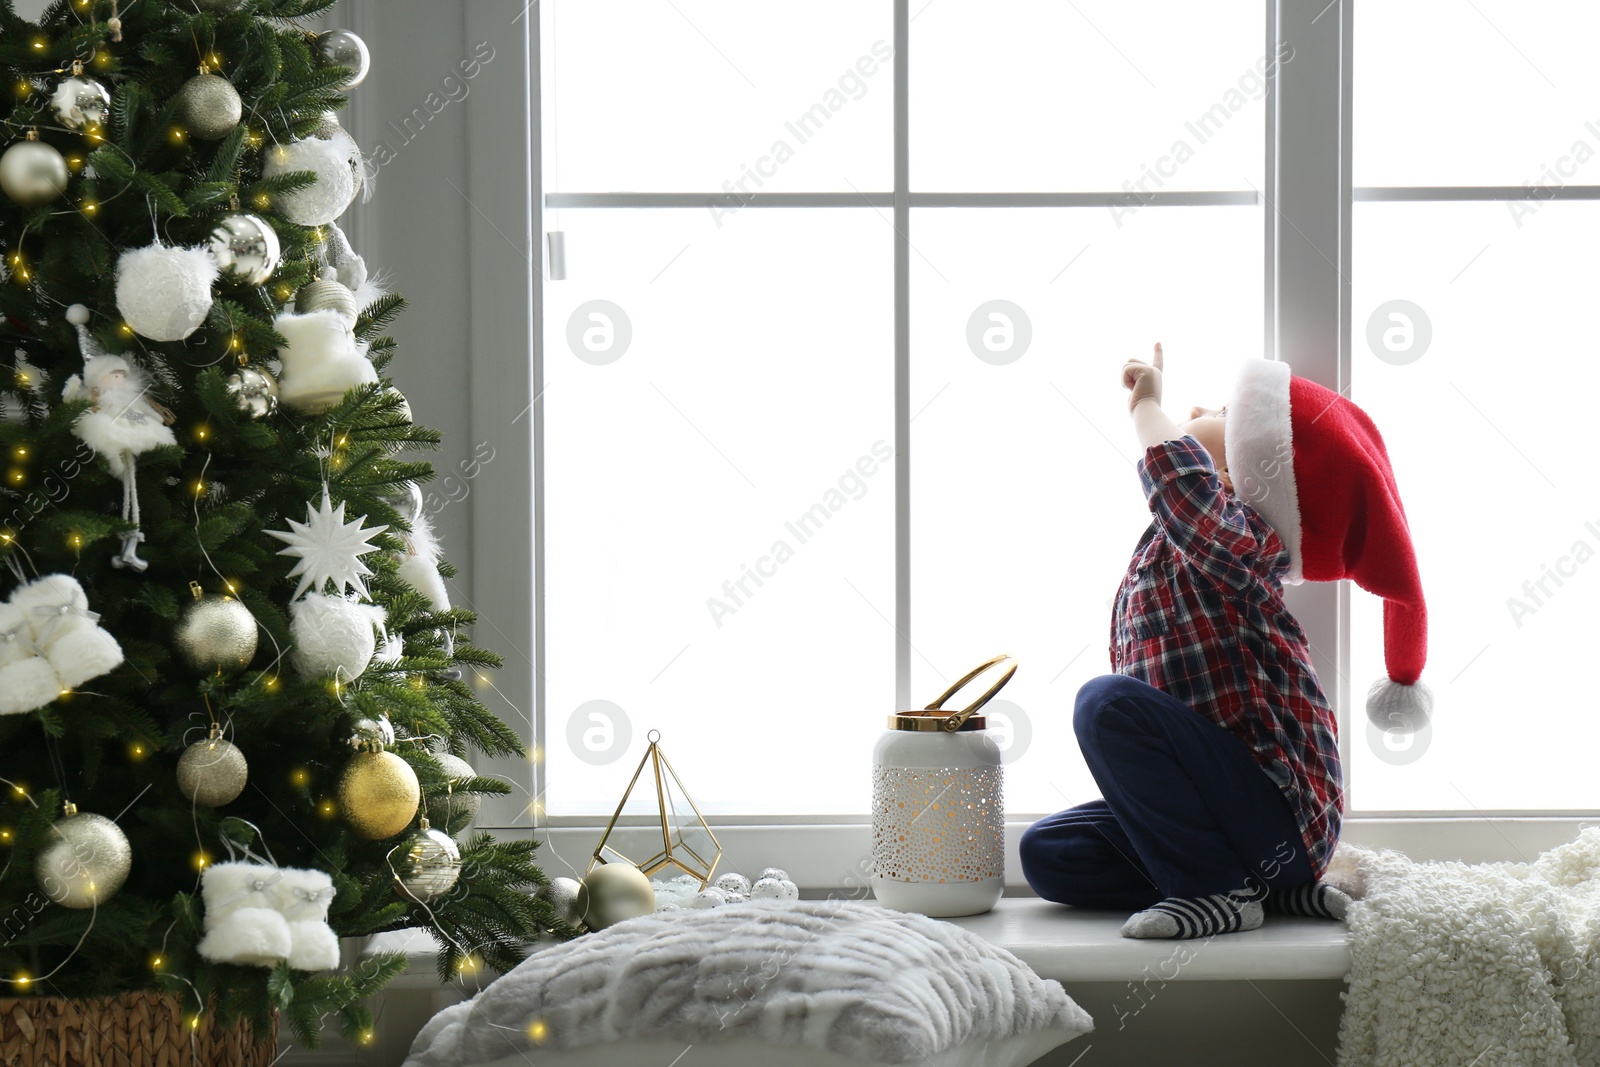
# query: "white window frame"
x,y
1308,197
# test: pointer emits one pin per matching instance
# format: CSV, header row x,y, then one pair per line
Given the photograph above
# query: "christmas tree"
x,y
231,681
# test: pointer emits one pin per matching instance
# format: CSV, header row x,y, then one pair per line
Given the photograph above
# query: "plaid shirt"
x,y
1200,616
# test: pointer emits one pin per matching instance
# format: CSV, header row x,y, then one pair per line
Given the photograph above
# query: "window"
x,y
720,491
729,556
1475,174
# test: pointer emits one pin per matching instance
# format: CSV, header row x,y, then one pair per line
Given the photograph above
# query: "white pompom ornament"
x,y
164,292
333,637
335,160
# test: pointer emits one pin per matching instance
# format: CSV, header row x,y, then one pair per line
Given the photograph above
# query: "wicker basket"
x,y
132,1030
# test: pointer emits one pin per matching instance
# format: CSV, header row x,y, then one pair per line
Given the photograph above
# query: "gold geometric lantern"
x,y
667,829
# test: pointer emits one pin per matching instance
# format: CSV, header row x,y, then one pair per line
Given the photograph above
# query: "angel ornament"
x,y
123,424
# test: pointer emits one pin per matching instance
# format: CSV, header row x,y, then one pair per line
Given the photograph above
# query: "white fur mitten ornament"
x,y
321,362
65,631
303,898
164,292
335,160
27,681
242,920
333,637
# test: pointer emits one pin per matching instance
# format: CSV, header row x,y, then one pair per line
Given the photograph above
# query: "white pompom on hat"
x,y
1313,464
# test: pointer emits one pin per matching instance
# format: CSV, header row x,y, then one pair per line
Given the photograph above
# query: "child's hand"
x,y
1142,379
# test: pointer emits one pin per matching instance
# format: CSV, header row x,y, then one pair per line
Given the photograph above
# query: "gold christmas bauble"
x,y
85,861
212,772
613,892
32,173
210,106
378,794
215,632
428,866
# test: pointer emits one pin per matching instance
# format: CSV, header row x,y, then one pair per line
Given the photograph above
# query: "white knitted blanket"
x,y
842,976
1482,964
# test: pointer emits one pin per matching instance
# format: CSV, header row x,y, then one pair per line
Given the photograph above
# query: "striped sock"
x,y
1189,917
1319,900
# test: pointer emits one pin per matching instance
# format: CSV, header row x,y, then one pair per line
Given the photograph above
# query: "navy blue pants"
x,y
1187,810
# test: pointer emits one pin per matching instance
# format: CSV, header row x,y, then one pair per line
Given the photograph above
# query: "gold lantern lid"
x,y
934,718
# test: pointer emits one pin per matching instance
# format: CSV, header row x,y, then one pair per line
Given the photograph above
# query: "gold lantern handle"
x,y
953,722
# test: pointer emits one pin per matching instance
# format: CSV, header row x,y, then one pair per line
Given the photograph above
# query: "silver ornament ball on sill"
x,y
212,772
85,862
341,48
32,173
255,390
210,106
562,893
245,247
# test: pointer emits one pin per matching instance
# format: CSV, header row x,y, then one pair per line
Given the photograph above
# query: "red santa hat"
x,y
1314,466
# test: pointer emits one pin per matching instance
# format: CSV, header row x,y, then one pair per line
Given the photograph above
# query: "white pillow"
x,y
816,982
747,1052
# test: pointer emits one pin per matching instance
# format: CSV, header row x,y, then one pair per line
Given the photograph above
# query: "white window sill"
x,y
1069,946
1087,946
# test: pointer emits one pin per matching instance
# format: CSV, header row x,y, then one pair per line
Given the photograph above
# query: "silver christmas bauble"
x,y
210,106
80,102
612,893
32,173
562,893
215,633
212,772
341,48
245,247
441,806
325,294
255,390
427,866
370,734
85,860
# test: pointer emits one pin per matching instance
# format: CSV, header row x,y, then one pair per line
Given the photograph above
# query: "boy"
x,y
1214,747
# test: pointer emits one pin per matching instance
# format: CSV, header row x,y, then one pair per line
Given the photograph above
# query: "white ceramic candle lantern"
x,y
938,809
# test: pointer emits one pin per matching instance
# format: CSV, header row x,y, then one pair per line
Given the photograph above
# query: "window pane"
x,y
1488,93
1025,498
719,538
688,95
1021,95
1483,392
